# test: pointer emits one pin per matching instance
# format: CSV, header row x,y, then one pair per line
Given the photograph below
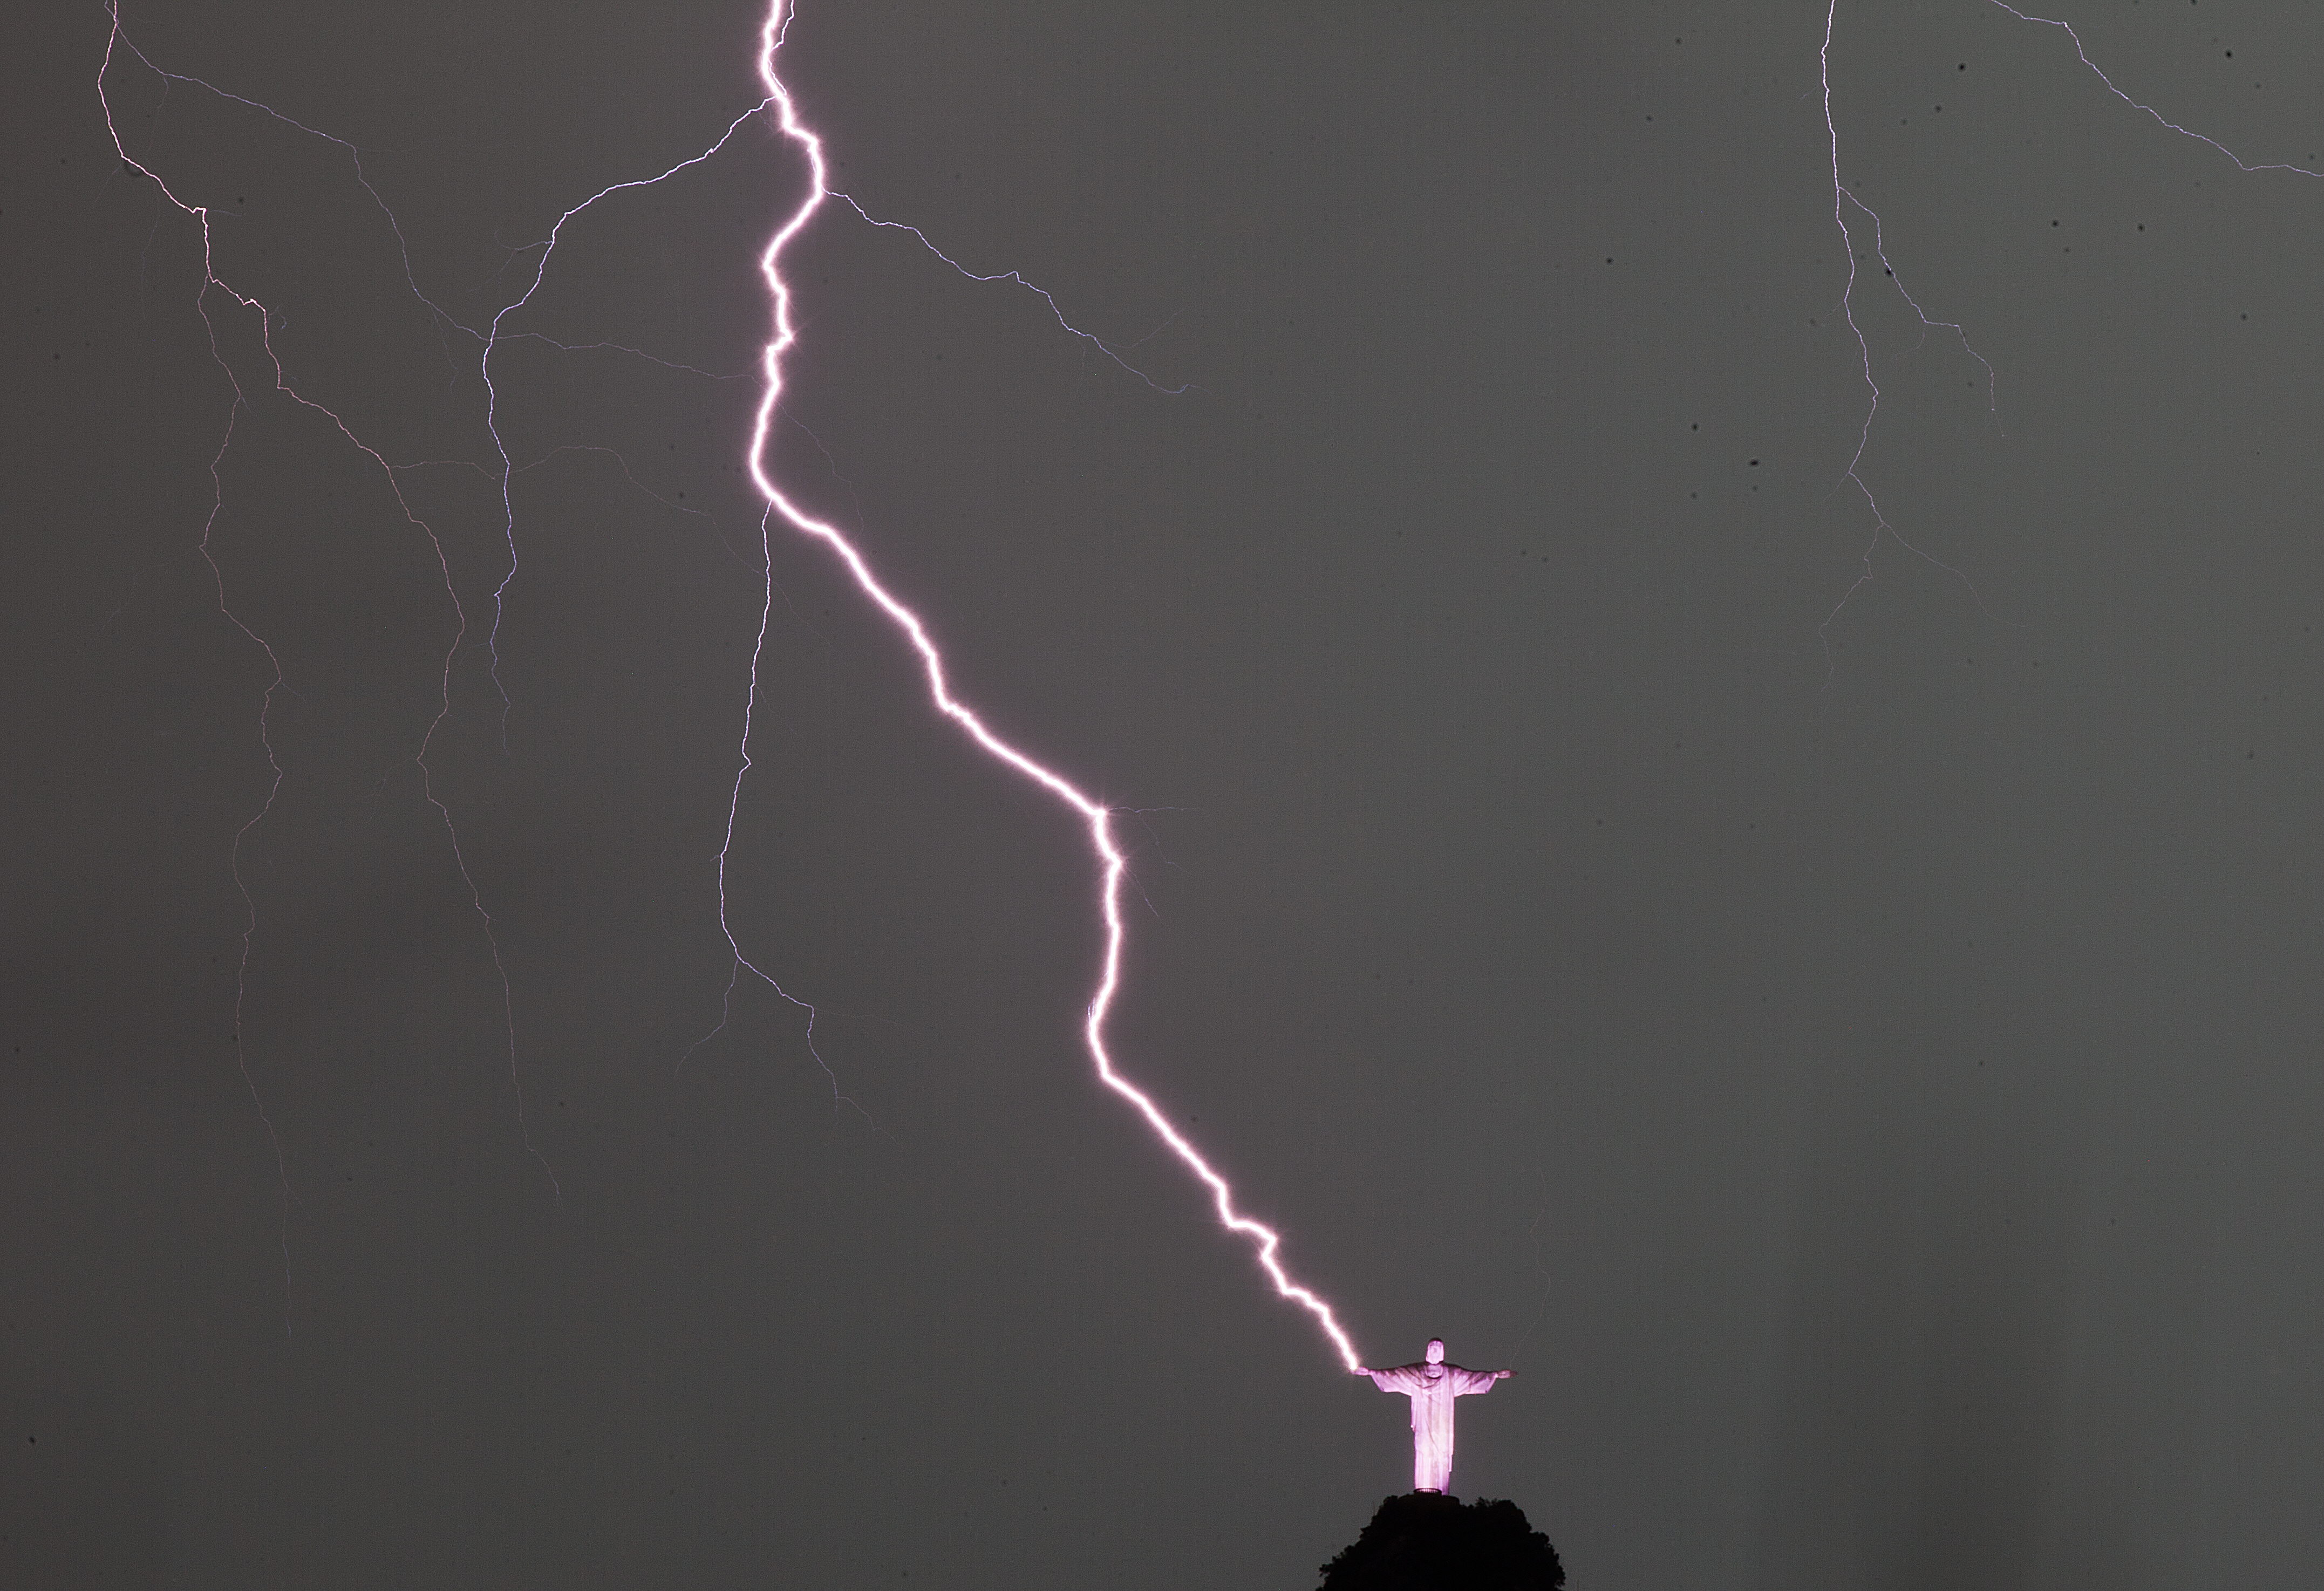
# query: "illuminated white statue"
x,y
1432,1385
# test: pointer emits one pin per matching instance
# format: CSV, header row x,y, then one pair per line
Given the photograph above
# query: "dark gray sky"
x,y
1881,1054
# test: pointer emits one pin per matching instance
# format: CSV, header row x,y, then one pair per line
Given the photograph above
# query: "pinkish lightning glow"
x,y
1264,1241
1849,211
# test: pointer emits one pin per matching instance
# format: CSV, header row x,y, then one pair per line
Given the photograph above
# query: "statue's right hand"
x,y
1360,1370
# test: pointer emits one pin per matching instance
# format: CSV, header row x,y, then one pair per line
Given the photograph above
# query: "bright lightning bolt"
x,y
1850,216
1264,1241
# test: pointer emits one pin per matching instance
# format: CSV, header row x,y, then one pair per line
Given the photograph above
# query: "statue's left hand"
x,y
1503,1374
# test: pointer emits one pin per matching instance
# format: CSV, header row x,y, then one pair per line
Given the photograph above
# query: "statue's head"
x,y
1436,1350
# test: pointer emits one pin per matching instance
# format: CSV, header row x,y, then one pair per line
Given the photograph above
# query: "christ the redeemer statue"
x,y
1432,1385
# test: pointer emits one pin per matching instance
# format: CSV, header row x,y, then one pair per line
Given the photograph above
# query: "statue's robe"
x,y
1431,1389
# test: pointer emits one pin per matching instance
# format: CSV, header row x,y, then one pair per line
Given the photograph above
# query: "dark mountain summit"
x,y
1421,1541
